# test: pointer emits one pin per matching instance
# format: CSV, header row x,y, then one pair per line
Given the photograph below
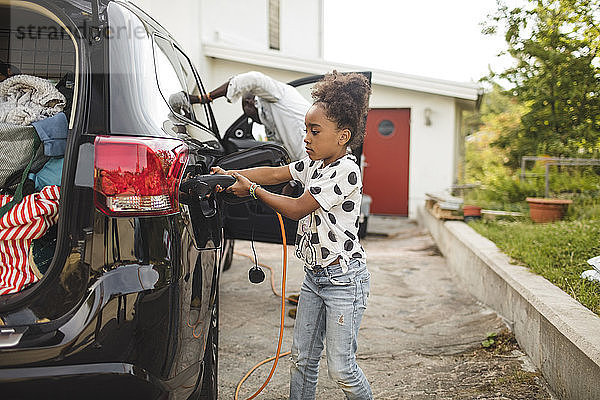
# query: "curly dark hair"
x,y
345,98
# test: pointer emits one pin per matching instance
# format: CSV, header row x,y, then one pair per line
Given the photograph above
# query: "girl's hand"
x,y
241,188
220,171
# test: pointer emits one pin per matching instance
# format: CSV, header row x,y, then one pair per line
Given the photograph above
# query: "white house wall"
x,y
181,19
301,28
432,163
239,23
244,24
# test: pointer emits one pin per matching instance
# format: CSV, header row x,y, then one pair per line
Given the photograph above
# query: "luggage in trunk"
x,y
16,145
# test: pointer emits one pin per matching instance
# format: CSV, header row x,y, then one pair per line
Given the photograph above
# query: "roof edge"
x,y
460,90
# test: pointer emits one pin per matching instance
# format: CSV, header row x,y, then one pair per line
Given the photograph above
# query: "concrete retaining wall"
x,y
561,336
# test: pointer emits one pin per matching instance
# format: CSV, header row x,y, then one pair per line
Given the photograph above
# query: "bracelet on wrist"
x,y
208,97
252,190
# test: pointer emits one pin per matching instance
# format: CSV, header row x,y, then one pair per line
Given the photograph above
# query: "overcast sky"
x,y
433,38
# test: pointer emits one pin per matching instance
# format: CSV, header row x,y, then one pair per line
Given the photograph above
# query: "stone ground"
x,y
421,336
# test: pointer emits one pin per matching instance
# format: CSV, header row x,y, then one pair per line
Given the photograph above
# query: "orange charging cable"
x,y
283,299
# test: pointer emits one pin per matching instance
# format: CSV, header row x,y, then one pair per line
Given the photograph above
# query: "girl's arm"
x,y
260,175
294,208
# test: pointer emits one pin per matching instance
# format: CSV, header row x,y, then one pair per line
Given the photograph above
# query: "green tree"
x,y
556,77
485,164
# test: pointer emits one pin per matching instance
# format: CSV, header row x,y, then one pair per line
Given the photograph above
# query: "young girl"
x,y
334,293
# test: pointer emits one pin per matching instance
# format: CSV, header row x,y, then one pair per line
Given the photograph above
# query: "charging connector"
x,y
202,185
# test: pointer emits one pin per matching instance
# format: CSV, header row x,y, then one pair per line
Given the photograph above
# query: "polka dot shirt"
x,y
332,229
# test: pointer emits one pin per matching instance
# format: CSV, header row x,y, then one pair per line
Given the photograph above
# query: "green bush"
x,y
584,208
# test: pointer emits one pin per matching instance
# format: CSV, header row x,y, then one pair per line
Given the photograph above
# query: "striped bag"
x,y
27,220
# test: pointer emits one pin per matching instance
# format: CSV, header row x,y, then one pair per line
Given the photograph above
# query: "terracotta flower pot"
x,y
471,211
547,210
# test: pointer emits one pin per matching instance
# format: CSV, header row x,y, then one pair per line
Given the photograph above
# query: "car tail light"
x,y
138,176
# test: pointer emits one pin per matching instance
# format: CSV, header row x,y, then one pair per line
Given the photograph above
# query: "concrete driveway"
x,y
421,336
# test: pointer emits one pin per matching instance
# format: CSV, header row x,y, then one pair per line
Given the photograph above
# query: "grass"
x,y
556,251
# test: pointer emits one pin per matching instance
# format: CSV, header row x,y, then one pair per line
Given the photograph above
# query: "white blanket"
x,y
25,99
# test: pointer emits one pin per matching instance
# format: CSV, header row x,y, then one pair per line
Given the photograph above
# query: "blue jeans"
x,y
330,309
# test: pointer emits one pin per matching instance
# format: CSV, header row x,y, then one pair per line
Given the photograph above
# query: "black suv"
x,y
129,305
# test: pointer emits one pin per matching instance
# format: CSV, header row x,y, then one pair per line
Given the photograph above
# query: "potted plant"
x,y
543,210
471,212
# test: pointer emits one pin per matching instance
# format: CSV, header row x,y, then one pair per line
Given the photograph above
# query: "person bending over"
x,y
276,105
336,285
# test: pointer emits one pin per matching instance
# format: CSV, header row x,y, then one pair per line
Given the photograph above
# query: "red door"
x,y
386,160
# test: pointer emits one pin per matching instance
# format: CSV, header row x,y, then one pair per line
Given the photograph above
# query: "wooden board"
x,y
437,212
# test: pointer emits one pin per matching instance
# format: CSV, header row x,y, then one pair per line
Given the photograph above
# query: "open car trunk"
x,y
40,58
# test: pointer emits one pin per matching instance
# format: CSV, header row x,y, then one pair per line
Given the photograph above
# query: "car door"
x,y
249,219
246,218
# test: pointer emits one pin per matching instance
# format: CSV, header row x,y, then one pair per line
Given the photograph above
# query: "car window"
x,y
200,111
171,81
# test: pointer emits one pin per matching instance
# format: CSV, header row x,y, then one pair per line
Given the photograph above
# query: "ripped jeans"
x,y
329,312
